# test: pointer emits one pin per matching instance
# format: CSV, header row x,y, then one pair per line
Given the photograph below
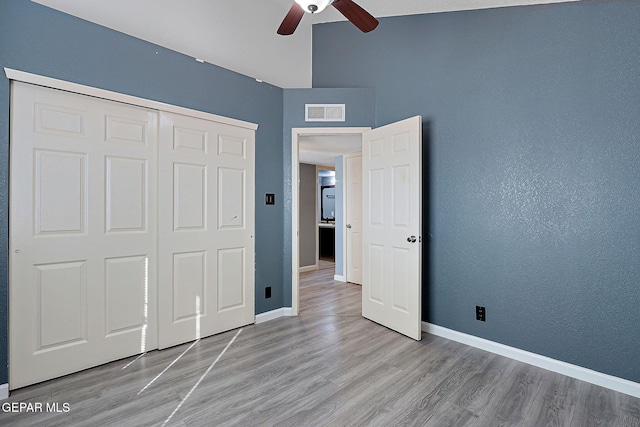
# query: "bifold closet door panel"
x,y
83,232
206,228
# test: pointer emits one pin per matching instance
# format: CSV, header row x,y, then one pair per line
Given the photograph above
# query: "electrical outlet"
x,y
267,292
481,314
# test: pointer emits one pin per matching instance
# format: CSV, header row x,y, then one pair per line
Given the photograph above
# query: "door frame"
x,y
296,133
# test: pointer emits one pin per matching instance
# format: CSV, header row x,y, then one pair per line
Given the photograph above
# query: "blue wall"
x,y
532,116
359,107
40,40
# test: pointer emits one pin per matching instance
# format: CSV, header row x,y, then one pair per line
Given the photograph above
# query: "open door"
x,y
392,228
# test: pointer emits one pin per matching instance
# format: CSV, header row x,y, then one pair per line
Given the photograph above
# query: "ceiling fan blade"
x,y
357,15
291,21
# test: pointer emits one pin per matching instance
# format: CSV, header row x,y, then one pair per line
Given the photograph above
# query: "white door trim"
x,y
296,133
36,79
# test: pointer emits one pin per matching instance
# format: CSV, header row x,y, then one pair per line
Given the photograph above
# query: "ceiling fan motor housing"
x,y
313,6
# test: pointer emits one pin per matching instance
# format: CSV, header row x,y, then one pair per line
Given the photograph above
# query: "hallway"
x,y
321,295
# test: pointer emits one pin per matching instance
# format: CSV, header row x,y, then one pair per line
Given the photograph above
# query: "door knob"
x,y
348,225
411,239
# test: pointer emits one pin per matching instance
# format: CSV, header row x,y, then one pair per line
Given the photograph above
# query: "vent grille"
x,y
324,113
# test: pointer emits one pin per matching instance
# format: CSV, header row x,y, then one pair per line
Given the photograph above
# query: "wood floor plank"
x,y
427,394
326,367
452,415
324,412
629,411
596,407
512,403
555,404
479,390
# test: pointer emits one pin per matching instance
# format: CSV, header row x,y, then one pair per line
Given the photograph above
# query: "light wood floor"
x,y
326,367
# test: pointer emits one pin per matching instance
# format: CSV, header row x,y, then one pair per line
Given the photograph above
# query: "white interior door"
x,y
392,213
206,227
353,217
82,236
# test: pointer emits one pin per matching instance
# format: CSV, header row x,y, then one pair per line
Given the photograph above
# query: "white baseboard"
x,y
4,391
273,314
608,381
339,278
269,315
308,268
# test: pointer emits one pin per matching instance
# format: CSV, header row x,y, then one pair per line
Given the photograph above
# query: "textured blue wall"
x,y
39,40
533,132
359,105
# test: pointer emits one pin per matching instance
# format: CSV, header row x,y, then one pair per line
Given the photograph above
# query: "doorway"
x,y
325,143
392,212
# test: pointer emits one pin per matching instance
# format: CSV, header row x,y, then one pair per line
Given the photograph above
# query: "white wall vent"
x,y
324,112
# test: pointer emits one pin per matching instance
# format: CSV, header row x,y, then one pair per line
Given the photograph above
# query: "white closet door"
x,y
82,232
206,228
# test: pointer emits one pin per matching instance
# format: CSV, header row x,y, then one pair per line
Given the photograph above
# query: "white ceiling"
x,y
240,35
323,149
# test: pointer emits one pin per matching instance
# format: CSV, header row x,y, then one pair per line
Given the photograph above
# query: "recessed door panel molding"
x,y
125,130
190,139
189,285
376,274
377,205
126,203
231,198
189,196
357,242
401,289
232,146
401,143
59,120
82,239
60,196
231,278
356,191
376,150
401,203
392,261
61,295
126,294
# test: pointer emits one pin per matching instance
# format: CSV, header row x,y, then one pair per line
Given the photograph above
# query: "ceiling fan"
x,y
354,13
